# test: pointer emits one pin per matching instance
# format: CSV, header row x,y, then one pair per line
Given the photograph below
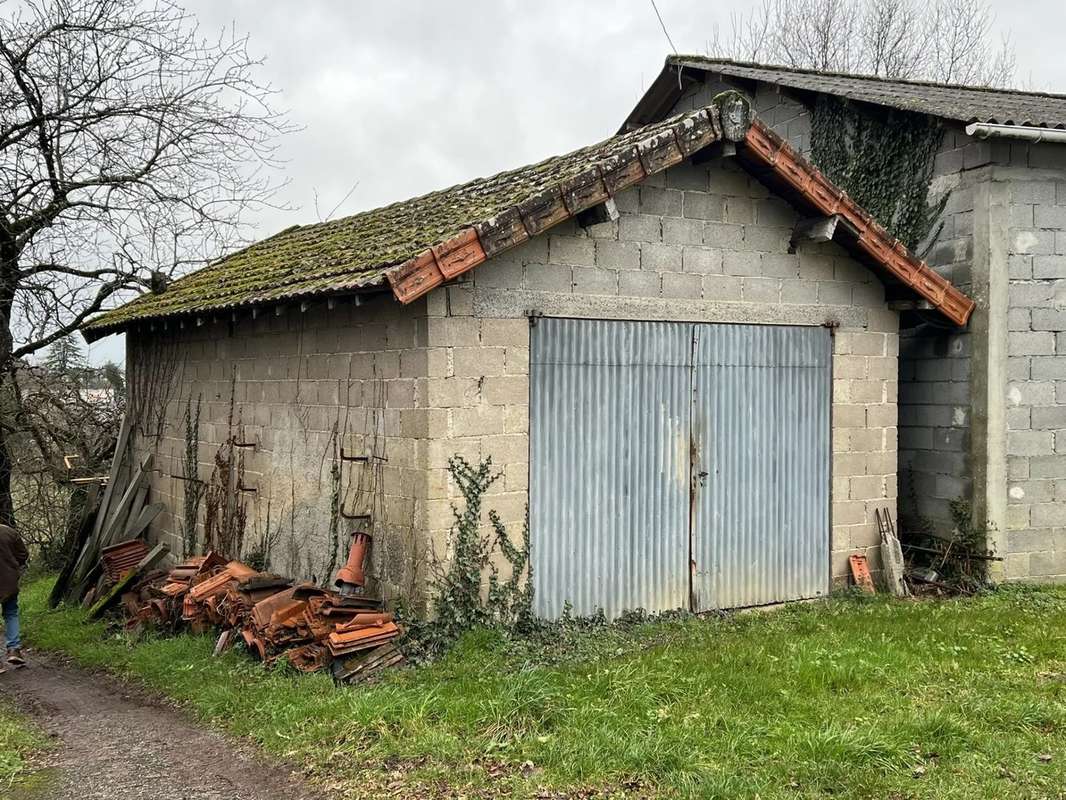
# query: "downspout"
x,y
986,130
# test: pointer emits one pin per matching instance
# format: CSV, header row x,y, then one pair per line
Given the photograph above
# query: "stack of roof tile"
x,y
311,627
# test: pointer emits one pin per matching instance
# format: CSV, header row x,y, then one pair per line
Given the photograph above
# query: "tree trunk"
x,y
8,282
7,507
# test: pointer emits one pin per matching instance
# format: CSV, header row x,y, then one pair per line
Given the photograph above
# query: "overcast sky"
x,y
402,97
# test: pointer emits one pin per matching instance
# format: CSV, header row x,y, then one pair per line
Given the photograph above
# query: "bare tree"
x,y
131,147
948,41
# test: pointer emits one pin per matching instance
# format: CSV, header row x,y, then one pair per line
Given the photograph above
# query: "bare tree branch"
x,y
949,41
131,144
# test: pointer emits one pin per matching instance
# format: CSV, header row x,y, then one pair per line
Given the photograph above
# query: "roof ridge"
x,y
681,58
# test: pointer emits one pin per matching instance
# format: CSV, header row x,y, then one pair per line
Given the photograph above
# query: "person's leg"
x,y
11,629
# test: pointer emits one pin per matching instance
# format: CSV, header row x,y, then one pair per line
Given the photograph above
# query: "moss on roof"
x,y
357,251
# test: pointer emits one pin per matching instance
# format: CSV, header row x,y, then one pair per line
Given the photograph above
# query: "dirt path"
x,y
114,741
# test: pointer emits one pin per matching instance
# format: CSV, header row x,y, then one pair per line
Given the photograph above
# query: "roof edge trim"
x,y
559,202
771,151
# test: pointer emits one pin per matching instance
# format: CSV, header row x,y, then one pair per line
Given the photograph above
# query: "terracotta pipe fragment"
x,y
352,572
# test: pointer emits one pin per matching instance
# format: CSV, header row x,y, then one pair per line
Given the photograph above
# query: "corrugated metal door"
x,y
677,465
609,465
760,423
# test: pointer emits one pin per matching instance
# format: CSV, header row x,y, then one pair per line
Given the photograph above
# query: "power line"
x,y
663,25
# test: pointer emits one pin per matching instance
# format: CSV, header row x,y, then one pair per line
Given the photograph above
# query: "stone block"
x,y
1049,418
1030,443
480,420
571,250
796,290
740,210
507,448
661,257
549,277
741,263
477,362
1018,419
722,288
1019,319
506,390
1037,343
835,293
868,487
700,205
688,176
504,332
1049,216
1044,467
453,331
723,235
595,281
1049,266
701,260
617,255
638,283
780,265
660,202
682,231
761,290
640,228
682,285
1047,564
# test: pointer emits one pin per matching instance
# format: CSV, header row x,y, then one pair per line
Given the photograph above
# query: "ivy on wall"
x,y
884,163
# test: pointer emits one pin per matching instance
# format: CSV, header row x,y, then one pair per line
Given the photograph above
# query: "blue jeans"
x,y
11,622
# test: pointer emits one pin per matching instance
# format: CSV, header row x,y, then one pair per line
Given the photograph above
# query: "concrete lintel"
x,y
513,304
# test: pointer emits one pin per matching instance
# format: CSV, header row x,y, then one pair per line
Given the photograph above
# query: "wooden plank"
x,y
112,479
144,519
91,553
135,510
88,522
87,558
115,592
117,522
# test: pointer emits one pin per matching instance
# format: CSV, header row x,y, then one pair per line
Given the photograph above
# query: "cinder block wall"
x,y
303,385
1035,178
695,244
935,398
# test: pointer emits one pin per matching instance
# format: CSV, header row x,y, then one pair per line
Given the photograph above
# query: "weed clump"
x,y
468,588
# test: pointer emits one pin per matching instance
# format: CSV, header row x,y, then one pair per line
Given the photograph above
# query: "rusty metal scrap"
x,y
306,625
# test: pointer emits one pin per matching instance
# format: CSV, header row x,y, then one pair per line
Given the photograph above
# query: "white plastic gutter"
x,y
984,130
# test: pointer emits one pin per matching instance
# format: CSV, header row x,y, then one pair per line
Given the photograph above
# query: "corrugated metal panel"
x,y
609,472
761,404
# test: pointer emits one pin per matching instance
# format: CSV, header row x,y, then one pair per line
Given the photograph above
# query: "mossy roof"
x,y
963,104
355,252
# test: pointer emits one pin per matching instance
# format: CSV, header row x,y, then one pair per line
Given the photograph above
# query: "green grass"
x,y
845,698
19,742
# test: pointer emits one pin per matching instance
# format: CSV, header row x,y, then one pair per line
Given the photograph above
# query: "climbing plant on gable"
x,y
885,163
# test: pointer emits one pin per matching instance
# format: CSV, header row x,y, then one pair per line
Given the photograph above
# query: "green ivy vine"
x,y
469,590
884,163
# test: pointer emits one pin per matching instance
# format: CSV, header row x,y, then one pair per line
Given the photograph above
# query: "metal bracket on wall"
x,y
534,316
355,517
362,459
